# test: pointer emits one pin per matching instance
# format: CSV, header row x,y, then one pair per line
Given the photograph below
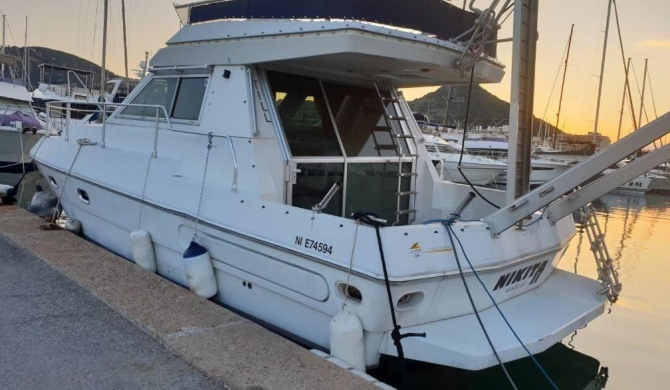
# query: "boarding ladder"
x,y
607,275
398,134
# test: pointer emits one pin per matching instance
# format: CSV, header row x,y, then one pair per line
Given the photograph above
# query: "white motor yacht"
x,y
447,157
252,142
542,169
64,86
641,184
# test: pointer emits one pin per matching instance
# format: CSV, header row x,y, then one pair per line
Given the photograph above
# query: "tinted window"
x,y
159,91
359,115
313,183
189,98
304,115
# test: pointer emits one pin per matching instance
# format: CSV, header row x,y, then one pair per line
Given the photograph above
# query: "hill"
x,y
485,108
43,55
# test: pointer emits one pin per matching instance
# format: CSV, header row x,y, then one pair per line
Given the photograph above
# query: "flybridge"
x,y
430,17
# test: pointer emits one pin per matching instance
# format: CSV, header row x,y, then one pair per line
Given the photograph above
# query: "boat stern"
x,y
564,303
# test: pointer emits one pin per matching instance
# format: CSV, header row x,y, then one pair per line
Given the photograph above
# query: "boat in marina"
x,y
259,143
62,86
542,169
642,184
19,126
451,166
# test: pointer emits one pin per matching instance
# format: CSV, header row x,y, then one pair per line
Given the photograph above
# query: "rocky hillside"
x,y
485,108
43,55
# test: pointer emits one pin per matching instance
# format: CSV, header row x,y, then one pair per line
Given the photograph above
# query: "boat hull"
x,y
15,149
272,283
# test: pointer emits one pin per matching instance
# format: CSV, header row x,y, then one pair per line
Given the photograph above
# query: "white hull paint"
x,y
476,174
247,160
285,281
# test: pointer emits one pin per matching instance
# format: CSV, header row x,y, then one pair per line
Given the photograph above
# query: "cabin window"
x,y
181,97
359,116
304,115
339,133
189,98
313,181
374,187
159,91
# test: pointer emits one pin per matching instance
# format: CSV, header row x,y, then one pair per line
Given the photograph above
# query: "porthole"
x,y
83,196
352,293
409,300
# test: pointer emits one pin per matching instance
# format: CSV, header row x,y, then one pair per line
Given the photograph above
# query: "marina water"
x,y
626,348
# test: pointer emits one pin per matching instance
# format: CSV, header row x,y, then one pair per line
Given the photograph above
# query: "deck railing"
x,y
59,119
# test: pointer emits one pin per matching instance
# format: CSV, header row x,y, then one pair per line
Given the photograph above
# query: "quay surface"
x,y
73,315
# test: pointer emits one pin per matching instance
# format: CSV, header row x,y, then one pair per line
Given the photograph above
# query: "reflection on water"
x,y
630,339
568,368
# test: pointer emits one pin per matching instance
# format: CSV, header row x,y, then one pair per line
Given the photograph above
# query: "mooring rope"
x,y
210,137
373,220
448,225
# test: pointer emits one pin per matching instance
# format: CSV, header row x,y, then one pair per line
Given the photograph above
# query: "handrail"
x,y
88,92
252,103
51,106
103,110
234,157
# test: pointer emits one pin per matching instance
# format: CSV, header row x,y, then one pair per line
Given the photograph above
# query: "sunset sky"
x,y
75,26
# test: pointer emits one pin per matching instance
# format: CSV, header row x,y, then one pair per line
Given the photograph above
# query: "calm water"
x,y
631,339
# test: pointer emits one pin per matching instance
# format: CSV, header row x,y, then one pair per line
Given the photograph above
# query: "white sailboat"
x,y
252,141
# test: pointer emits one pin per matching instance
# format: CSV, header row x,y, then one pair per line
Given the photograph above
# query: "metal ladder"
x,y
607,275
400,118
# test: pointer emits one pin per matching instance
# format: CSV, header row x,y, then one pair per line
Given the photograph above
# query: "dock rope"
x,y
465,132
210,145
351,264
373,220
144,190
448,225
80,142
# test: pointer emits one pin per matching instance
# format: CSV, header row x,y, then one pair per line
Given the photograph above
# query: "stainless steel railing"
x,y
60,114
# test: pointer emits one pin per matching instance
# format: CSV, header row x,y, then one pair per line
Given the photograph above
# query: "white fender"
x,y
143,250
199,271
6,190
346,339
73,226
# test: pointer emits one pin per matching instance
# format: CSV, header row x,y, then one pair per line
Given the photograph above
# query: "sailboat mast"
x,y
644,84
104,50
602,72
2,73
623,100
560,99
25,55
623,59
125,44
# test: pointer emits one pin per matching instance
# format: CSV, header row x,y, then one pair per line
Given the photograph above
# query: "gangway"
x,y
565,183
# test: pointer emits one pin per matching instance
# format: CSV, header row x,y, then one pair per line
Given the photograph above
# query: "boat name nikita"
x,y
532,271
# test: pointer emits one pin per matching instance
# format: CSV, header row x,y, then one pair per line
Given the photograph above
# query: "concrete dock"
x,y
73,315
